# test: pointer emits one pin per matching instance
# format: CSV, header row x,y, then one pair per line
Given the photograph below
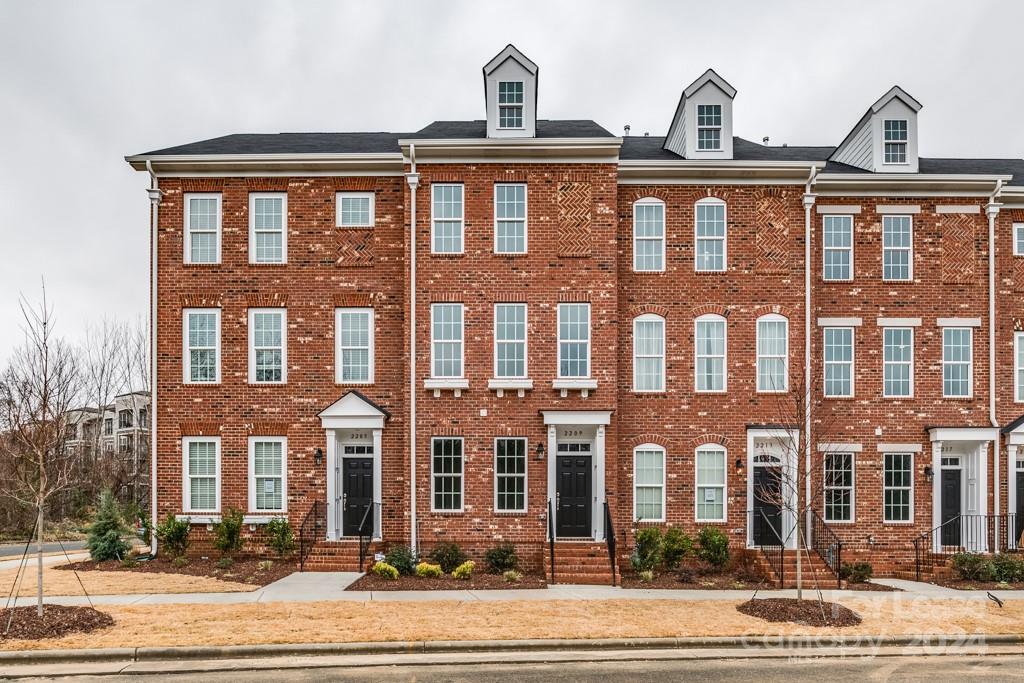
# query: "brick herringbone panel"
x,y
575,212
958,254
1018,274
354,247
772,232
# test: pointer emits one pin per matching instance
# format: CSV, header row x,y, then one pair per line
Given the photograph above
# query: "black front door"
x,y
950,488
1020,508
357,495
767,500
573,493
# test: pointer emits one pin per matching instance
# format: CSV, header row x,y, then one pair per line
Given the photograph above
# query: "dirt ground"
x,y
63,582
283,622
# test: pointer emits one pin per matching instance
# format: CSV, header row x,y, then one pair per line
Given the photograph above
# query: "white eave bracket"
x,y
583,385
501,385
455,385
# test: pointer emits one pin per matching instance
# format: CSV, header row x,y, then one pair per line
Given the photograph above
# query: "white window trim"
x,y
498,105
525,219
725,354
905,143
525,475
853,361
186,482
770,317
649,318
558,340
721,119
853,487
970,364
462,476
283,440
725,238
1018,228
186,359
825,249
526,342
372,360
253,196
372,219
725,485
1018,343
909,250
462,342
434,219
252,344
664,477
913,344
188,232
913,476
651,201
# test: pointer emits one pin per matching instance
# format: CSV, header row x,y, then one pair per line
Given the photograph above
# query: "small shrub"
x,y
646,576
225,563
227,533
104,541
179,562
401,558
501,558
675,546
448,556
385,571
647,553
972,566
713,547
280,537
147,530
856,572
512,576
1007,568
465,570
130,561
429,571
265,565
172,533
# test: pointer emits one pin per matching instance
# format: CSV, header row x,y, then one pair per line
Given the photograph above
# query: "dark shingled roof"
x,y
289,143
442,130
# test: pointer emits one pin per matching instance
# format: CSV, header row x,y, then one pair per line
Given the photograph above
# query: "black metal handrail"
x,y
964,533
774,553
366,526
551,539
609,538
826,544
311,524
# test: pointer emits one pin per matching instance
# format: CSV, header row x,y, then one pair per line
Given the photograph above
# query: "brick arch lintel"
x,y
657,439
720,439
765,309
649,193
641,309
704,309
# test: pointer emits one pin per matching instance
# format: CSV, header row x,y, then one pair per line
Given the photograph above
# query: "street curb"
x,y
153,654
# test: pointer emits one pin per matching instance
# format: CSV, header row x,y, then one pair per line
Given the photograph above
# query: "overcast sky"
x,y
83,84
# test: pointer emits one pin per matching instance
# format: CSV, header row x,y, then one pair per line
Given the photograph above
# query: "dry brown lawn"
x,y
284,622
63,582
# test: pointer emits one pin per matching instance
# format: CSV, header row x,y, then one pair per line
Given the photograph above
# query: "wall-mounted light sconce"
x,y
739,465
929,473
540,450
318,457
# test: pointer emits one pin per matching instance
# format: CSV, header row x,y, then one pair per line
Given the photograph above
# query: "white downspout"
x,y
413,178
809,199
154,201
992,211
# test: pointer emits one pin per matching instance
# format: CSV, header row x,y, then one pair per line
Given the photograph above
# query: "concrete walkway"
x,y
16,549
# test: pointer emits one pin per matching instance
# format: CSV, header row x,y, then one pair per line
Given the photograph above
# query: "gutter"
x,y
155,195
808,201
992,211
413,179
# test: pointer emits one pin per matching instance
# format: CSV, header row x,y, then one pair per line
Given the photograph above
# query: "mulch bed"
x,y
372,582
718,581
877,587
244,570
804,612
961,584
57,621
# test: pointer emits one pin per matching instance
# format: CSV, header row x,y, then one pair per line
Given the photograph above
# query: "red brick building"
x,y
485,331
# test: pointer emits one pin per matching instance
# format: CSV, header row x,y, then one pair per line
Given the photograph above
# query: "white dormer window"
x,y
895,131
709,127
510,104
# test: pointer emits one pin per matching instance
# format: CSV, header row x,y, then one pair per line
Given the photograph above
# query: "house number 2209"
x,y
573,432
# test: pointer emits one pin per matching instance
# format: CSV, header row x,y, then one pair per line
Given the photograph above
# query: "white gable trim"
x,y
351,411
896,92
710,76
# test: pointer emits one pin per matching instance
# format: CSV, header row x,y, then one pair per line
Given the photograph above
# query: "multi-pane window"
x,y
202,474
1018,239
354,339
709,354
838,479
268,235
125,419
898,362
709,127
202,228
202,345
510,218
446,340
510,340
957,357
895,131
510,104
446,474
710,235
838,241
267,474
710,484
267,345
898,487
772,353
447,213
108,426
1018,388
838,361
510,475
897,248
649,235
354,209
143,418
649,353
574,340
649,484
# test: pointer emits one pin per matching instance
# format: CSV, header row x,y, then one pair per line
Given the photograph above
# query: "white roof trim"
x,y
351,411
896,92
964,433
510,52
712,77
577,417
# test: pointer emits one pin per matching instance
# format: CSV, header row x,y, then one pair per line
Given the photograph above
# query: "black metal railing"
x,y
965,533
826,544
766,535
551,539
366,527
309,531
609,538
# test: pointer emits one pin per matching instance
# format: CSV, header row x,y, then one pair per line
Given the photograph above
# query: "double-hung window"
x,y
268,345
898,480
446,218
1018,376
510,104
897,362
772,353
710,465
268,227
446,474
895,132
1018,239
510,218
838,244
897,248
354,209
202,345
957,359
709,127
838,480
649,236
108,426
202,227
710,353
838,361
649,483
201,481
649,353
353,333
125,419
510,475
573,340
710,236
510,341
446,340
268,473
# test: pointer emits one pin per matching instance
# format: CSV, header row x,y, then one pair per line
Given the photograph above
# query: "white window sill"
x,y
199,518
582,384
501,384
439,384
264,518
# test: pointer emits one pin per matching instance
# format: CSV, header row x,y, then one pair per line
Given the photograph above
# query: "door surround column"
x,y
598,419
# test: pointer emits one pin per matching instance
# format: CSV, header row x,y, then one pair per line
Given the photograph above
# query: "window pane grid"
x,y
448,208
354,210
446,465
510,340
898,357
510,474
202,227
268,345
446,326
897,243
202,475
573,340
648,237
202,347
354,341
649,483
838,240
898,477
772,355
710,485
838,361
710,355
956,361
709,126
268,228
895,132
649,355
838,479
268,471
710,254
1019,340
510,219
